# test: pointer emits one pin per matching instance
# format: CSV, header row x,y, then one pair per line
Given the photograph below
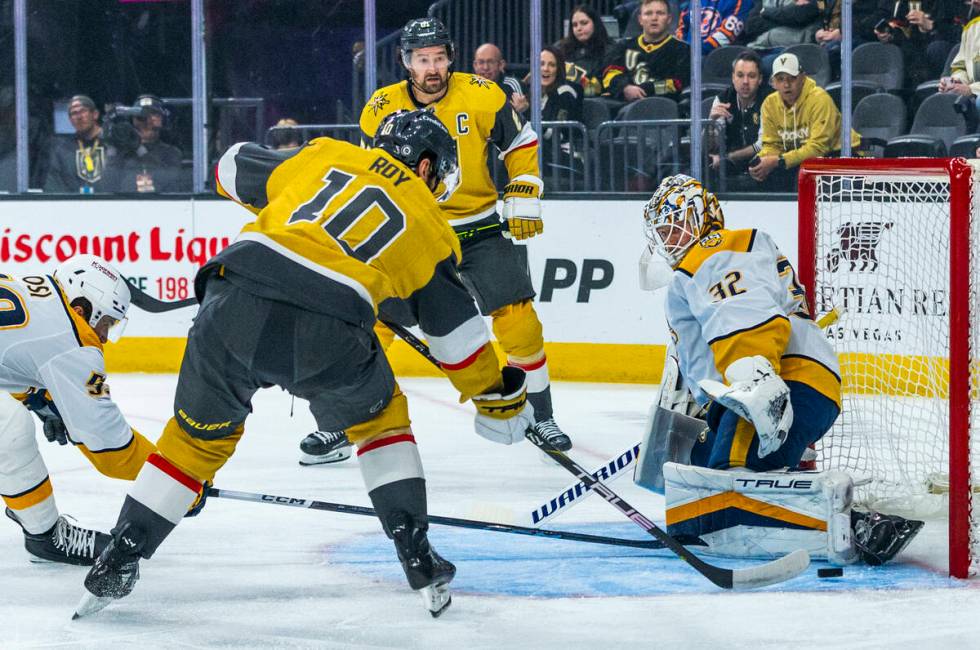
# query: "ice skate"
x,y
322,447
65,542
115,571
427,571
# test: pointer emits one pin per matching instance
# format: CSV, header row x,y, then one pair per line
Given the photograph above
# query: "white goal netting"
x,y
882,255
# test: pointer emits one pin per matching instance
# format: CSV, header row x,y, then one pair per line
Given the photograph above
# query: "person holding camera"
x,y
147,164
80,163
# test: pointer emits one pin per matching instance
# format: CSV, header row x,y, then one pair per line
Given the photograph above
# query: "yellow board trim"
x,y
32,498
724,500
862,374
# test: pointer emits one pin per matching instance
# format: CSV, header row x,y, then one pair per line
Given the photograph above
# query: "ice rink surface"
x,y
248,575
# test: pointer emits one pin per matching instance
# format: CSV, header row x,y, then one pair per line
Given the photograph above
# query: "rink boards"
x,y
598,324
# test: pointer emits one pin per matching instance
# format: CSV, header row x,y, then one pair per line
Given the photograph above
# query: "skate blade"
x,y
436,598
306,460
90,604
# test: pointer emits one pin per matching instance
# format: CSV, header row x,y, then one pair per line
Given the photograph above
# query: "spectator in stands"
x,y
653,64
774,25
79,163
286,135
561,101
585,48
799,121
865,13
925,30
488,62
722,21
151,165
737,110
964,80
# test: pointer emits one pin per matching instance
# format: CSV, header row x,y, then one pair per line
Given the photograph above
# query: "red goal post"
x,y
853,214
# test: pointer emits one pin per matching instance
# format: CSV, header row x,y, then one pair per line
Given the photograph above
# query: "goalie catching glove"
x,y
504,416
757,394
522,206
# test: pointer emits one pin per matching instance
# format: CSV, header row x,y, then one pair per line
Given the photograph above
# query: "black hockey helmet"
x,y
425,32
411,135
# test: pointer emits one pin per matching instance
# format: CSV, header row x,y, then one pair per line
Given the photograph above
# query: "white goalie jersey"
x,y
736,295
45,345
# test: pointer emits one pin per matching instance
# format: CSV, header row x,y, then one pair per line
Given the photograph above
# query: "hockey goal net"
x,y
894,245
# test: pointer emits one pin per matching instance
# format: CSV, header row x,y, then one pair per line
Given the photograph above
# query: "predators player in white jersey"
x,y
495,270
748,353
341,232
52,329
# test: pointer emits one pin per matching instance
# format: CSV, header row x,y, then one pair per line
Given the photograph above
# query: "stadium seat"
x,y
965,146
879,118
931,87
859,90
717,65
595,112
879,64
936,117
708,91
814,60
650,108
915,146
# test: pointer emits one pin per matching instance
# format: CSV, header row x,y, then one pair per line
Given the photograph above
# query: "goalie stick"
x,y
472,524
778,570
148,303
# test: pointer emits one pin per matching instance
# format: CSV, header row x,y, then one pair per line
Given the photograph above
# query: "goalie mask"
x,y
678,214
410,136
104,292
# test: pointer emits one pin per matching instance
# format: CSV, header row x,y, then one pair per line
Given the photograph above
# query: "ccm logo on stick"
x,y
275,499
562,274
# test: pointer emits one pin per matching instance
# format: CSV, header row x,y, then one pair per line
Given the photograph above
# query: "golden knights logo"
x,y
477,80
379,102
858,245
90,163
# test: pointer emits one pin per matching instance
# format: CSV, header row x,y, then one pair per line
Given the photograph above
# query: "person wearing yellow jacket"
x,y
799,121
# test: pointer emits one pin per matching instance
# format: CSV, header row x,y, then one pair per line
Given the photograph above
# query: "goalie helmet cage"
x,y
894,242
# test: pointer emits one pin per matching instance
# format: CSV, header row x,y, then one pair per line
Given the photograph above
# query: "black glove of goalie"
x,y
40,402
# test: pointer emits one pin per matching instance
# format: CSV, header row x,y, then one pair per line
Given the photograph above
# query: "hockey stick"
x,y
574,493
475,234
148,303
442,521
775,571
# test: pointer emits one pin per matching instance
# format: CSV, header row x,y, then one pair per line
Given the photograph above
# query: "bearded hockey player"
x,y
53,330
341,232
748,356
495,270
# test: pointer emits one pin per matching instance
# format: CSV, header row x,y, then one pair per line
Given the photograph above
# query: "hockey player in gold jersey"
x,y
494,269
52,328
341,233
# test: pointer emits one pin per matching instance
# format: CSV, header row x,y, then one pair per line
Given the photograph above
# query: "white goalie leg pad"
x,y
762,515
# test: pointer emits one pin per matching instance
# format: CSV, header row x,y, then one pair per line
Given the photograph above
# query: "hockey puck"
x,y
833,572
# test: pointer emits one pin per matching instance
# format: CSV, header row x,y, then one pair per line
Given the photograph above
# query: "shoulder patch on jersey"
x,y
379,102
477,80
734,241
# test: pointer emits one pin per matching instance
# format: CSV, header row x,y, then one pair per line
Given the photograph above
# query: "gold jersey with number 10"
x,y
476,111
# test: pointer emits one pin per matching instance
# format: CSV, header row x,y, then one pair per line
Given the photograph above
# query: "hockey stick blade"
x,y
769,573
446,521
150,304
578,491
